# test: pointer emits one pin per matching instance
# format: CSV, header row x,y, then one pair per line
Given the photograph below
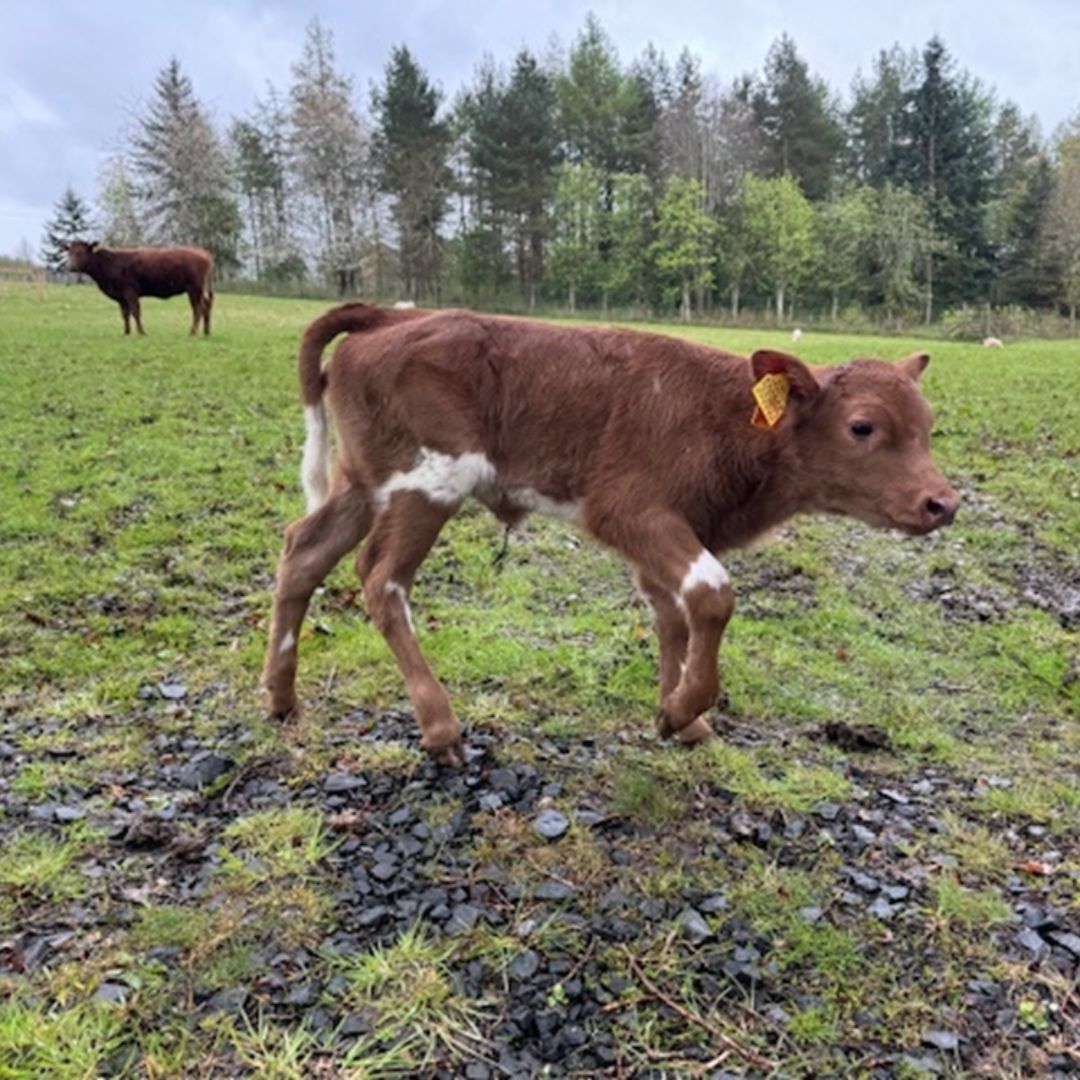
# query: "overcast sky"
x,y
73,73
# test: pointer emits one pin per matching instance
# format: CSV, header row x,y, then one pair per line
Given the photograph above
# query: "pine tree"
x,y
512,147
607,117
410,150
877,120
182,172
70,221
1023,186
800,133
947,157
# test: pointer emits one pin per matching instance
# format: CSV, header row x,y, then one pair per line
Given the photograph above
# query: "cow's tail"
x,y
346,319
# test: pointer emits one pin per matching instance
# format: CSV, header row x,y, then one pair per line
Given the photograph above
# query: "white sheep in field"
x,y
993,343
796,334
404,305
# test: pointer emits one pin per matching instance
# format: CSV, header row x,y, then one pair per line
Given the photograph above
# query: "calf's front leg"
x,y
686,584
672,632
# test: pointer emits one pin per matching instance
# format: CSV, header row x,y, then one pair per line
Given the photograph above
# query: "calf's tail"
x,y
346,319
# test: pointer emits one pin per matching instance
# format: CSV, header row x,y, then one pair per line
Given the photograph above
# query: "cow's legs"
x,y
313,545
207,304
126,312
672,632
670,557
402,536
196,300
136,311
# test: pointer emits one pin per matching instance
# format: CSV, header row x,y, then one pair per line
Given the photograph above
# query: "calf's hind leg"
x,y
313,545
402,537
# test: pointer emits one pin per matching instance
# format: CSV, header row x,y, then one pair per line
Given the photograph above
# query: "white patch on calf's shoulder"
x,y
444,478
287,642
706,570
394,589
315,465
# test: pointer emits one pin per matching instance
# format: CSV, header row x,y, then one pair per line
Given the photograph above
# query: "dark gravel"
x,y
555,997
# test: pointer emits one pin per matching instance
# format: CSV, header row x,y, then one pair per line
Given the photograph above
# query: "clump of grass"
x,y
172,926
420,1014
33,781
272,1051
975,847
761,780
969,909
288,842
813,1027
647,796
38,867
508,840
1051,801
65,1043
382,757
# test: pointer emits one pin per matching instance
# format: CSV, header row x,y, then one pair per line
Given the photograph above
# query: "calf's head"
x,y
862,435
79,252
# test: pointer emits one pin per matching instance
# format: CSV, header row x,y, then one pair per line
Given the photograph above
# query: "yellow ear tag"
x,y
771,394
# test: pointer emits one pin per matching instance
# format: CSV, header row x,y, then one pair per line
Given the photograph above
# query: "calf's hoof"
x,y
698,730
280,705
452,756
442,741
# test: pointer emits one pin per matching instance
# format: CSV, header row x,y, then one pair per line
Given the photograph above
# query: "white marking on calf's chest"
x,y
444,478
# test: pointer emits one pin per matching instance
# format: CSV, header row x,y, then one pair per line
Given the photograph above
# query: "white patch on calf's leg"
x,y
705,570
443,478
397,590
287,642
315,465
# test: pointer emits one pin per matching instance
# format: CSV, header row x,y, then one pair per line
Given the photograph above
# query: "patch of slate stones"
x,y
397,865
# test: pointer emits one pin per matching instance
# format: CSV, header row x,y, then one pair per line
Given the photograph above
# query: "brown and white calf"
x,y
126,274
644,441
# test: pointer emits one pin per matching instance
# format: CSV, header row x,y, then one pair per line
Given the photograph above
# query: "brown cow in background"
x,y
125,274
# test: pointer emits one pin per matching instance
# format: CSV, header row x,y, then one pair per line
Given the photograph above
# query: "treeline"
x,y
581,181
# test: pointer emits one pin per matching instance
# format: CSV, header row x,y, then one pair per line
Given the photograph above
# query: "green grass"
x,y
146,484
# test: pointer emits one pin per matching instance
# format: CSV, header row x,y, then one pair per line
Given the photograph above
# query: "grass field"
x,y
189,890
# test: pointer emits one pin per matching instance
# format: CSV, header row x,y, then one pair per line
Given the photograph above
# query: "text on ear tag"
x,y
771,394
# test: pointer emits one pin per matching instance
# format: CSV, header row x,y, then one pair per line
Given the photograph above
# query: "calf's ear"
x,y
914,365
799,376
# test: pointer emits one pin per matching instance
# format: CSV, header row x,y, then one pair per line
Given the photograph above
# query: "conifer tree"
x,y
410,150
181,171
70,221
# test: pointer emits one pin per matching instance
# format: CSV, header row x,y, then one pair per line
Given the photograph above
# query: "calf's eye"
x,y
862,429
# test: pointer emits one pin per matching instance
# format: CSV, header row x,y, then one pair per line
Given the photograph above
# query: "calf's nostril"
x,y
935,508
